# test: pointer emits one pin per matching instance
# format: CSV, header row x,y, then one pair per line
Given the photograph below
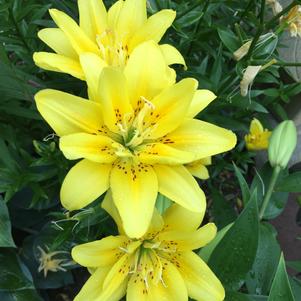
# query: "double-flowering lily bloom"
x,y
159,266
110,35
134,137
258,138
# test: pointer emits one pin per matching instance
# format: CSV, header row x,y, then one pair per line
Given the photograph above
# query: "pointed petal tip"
x,y
212,227
41,94
53,12
170,13
41,33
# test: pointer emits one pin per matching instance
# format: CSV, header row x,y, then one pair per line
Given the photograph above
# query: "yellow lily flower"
x,y
110,35
134,139
159,266
258,138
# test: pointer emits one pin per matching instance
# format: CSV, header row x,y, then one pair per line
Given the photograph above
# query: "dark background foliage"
x,y
32,167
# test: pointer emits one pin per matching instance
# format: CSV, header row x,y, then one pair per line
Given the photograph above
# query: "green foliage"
x,y
15,281
290,183
260,277
281,289
6,239
233,257
245,253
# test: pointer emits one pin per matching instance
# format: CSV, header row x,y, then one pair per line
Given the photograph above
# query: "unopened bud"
x,y
282,144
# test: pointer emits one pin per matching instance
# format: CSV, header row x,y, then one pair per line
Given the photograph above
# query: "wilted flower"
x,y
48,263
242,51
111,36
135,139
282,143
248,78
276,6
258,138
293,19
159,266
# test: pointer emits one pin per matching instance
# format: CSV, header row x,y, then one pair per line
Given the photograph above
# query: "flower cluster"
x,y
136,136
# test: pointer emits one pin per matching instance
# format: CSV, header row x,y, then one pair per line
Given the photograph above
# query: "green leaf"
x,y
261,276
206,252
243,185
23,295
233,257
278,199
296,288
235,296
222,210
291,183
14,274
281,289
229,39
6,239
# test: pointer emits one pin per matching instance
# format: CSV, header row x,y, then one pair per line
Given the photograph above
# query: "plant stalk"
x,y
270,190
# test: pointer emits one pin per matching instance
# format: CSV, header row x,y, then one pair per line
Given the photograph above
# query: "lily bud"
x,y
282,144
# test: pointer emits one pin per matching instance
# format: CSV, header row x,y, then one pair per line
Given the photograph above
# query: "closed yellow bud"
x,y
282,144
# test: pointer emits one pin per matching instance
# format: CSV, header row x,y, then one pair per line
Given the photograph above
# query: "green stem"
x,y
277,63
270,190
259,31
238,32
249,5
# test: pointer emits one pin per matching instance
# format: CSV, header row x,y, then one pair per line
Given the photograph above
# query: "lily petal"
x,y
117,276
201,282
198,170
256,127
96,148
178,218
114,13
134,189
190,240
171,106
84,183
114,97
149,77
57,40
92,66
202,138
172,55
154,28
132,16
99,253
92,17
177,184
94,287
77,37
173,287
58,63
68,114
159,153
108,205
200,100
